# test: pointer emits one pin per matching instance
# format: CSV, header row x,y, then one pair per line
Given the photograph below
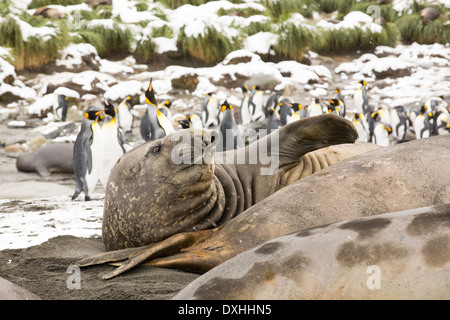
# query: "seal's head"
x,y
159,188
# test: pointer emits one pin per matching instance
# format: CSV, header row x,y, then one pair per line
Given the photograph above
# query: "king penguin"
x,y
94,148
157,125
256,104
381,134
192,121
399,122
273,120
422,124
244,111
231,137
360,98
124,116
165,109
60,107
210,111
315,108
286,112
335,106
341,107
114,144
81,152
362,127
272,102
300,110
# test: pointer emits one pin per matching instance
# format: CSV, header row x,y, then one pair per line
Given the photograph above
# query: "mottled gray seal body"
x,y
54,157
401,255
10,291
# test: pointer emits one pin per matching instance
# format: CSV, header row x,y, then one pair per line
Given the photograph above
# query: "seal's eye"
x,y
156,149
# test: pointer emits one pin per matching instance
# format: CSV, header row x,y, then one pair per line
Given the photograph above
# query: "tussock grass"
x,y
294,42
112,42
282,9
210,48
144,51
412,29
36,51
255,27
348,40
164,31
42,3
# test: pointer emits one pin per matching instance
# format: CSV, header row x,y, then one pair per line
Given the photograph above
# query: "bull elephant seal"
x,y
174,184
401,255
400,177
149,197
53,157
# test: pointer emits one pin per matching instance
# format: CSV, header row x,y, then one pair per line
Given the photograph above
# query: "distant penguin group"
x,y
98,146
154,124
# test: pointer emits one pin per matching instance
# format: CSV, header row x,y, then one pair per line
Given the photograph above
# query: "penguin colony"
x,y
100,142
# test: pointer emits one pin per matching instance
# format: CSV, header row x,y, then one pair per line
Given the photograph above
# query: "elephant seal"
x,y
400,177
149,197
10,291
53,157
401,255
179,183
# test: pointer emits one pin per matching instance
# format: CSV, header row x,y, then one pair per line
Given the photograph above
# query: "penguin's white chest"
x,y
245,112
112,150
125,118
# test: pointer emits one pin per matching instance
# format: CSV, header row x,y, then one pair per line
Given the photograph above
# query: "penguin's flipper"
x,y
88,153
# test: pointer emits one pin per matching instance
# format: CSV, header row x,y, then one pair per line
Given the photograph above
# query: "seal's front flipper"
x,y
135,256
110,257
309,134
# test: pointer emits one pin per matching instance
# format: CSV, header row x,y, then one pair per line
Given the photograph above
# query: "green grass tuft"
x,y
294,42
112,42
36,51
280,10
212,47
145,51
42,3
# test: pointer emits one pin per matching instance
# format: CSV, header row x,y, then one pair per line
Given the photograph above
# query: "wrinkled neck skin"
x,y
245,184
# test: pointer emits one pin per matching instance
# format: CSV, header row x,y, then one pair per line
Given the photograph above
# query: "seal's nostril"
x,y
213,138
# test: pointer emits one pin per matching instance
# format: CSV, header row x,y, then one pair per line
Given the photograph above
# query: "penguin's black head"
x,y
376,116
109,108
210,93
93,114
423,109
150,94
226,106
297,106
185,123
363,82
244,88
334,102
317,100
167,103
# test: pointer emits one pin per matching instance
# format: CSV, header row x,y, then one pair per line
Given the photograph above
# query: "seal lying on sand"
x,y
402,255
53,157
150,197
400,177
169,186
